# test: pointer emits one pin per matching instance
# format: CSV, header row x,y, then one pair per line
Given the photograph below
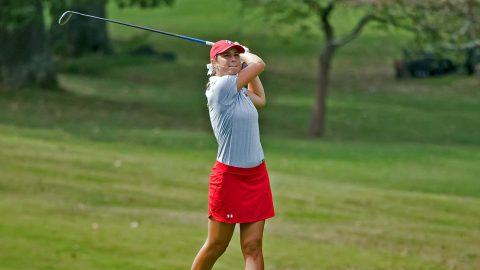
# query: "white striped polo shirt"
x,y
234,121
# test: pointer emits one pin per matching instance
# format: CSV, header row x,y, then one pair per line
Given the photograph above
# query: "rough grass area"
x,y
112,173
78,204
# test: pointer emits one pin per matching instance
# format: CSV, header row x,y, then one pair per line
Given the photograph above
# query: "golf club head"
x,y
65,17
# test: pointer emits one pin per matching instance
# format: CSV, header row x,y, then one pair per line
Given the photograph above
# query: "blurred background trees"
x,y
27,42
436,24
452,25
24,50
82,35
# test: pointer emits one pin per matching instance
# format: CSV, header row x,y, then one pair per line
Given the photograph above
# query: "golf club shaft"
x,y
135,26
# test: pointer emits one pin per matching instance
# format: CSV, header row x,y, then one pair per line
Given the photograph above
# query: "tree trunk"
x,y
24,56
317,123
80,35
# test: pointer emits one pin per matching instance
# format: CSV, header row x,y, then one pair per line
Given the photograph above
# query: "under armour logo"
x,y
229,215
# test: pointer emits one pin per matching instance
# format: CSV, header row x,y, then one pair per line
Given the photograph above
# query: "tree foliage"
x,y
24,55
83,35
443,23
143,3
17,13
307,15
453,24
24,46
439,23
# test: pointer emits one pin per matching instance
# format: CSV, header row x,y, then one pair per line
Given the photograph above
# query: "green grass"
x,y
337,214
112,173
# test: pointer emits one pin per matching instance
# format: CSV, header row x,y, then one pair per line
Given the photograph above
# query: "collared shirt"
x,y
234,120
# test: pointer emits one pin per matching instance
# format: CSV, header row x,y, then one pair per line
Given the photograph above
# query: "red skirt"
x,y
239,195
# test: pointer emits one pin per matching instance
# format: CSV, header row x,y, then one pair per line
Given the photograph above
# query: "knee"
x,y
216,247
252,247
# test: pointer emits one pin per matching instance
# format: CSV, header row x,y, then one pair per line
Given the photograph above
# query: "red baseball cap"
x,y
224,45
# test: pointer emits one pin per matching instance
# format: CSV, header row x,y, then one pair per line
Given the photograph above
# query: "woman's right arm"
x,y
254,68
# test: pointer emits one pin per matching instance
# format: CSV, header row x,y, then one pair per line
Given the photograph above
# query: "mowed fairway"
x,y
87,205
113,172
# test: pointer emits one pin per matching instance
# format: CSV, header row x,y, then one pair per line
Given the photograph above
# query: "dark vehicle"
x,y
423,67
471,60
427,67
423,64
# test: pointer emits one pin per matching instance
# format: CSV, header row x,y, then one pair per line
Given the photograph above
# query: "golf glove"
x,y
244,47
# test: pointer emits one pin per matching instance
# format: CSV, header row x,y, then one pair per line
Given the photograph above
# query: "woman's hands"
x,y
254,66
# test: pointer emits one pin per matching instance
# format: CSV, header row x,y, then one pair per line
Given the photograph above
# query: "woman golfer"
x,y
239,189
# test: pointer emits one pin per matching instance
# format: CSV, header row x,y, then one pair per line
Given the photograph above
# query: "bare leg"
x,y
219,236
251,235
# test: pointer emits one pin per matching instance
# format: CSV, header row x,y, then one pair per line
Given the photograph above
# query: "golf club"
x,y
68,14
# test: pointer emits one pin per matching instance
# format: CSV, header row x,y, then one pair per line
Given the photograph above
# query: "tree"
x,y
24,45
24,56
82,35
426,19
447,24
440,25
302,13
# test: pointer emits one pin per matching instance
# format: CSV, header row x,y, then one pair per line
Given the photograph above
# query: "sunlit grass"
x,y
116,205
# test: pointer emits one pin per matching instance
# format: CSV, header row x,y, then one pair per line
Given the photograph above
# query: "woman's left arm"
x,y
256,93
